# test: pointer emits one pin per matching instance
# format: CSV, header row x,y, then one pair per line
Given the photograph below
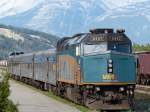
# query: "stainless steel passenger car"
x,y
38,68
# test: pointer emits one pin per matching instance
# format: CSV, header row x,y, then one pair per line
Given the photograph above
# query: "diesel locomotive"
x,y
95,69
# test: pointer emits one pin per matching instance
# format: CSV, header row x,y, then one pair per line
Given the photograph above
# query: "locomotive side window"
x,y
77,50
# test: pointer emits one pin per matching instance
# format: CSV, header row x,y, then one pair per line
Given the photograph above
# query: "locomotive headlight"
x,y
121,88
127,92
131,92
110,65
110,70
97,88
110,60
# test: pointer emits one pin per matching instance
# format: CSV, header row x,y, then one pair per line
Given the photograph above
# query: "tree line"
x,y
6,105
138,47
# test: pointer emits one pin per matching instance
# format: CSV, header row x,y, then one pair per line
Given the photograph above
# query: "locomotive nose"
x,y
123,67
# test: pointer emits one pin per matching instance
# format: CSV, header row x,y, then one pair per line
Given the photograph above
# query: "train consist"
x,y
95,69
143,67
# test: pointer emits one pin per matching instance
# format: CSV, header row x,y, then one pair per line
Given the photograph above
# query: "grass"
x,y
81,108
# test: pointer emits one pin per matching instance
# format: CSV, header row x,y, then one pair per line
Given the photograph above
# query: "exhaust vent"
x,y
101,31
120,31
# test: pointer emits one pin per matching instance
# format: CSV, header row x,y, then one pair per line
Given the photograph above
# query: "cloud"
x,y
112,4
12,7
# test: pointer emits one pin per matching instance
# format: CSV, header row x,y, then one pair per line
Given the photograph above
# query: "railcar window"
x,y
52,59
94,48
40,59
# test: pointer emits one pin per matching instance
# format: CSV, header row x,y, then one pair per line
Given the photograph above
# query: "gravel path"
x,y
32,101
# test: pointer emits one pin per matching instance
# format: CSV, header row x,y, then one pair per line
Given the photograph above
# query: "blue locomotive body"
x,y
100,63
95,68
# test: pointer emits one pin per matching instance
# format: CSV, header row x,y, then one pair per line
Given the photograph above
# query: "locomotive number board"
x,y
97,38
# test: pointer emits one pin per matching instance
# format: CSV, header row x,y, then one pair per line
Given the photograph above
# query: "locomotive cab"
x,y
105,56
104,67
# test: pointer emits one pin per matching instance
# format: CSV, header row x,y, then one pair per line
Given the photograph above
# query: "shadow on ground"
x,y
142,103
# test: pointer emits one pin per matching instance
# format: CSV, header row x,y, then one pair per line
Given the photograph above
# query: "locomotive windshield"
x,y
97,43
95,48
119,47
90,49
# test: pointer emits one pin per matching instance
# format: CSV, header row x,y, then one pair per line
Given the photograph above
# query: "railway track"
x,y
143,89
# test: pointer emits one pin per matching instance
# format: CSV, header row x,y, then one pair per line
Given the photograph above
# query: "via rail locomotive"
x,y
95,69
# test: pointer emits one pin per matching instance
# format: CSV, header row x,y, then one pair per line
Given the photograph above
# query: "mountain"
x,y
66,17
23,40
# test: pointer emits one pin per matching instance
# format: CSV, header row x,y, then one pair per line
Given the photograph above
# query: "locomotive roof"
x,y
95,36
45,52
22,55
29,56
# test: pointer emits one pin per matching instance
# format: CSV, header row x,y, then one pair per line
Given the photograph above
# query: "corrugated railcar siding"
x,y
40,71
52,73
144,61
67,69
27,70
